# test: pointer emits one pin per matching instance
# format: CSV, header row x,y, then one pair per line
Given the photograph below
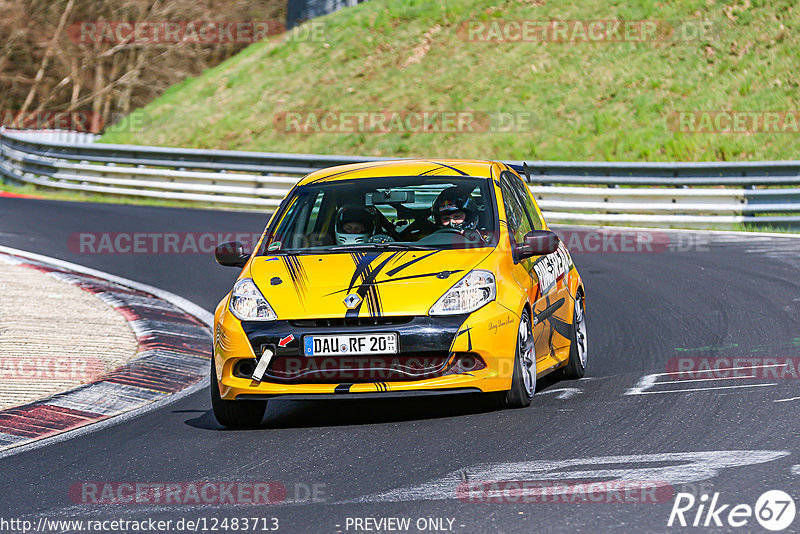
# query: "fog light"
x,y
244,368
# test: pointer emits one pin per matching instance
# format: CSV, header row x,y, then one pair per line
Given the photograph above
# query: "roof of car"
x,y
408,167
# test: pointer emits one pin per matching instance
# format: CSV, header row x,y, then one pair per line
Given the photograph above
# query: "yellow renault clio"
x,y
398,278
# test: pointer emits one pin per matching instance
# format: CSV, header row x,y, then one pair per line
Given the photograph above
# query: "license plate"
x,y
341,345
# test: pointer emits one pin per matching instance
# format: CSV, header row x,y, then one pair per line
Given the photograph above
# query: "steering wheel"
x,y
470,236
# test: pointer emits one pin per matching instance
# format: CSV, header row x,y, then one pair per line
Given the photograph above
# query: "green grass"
x,y
591,101
766,228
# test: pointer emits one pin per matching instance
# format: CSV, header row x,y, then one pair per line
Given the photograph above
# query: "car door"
x,y
551,274
549,293
520,223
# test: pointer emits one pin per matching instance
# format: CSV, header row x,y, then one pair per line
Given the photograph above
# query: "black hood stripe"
x,y
442,165
362,261
410,263
400,279
297,273
348,171
367,290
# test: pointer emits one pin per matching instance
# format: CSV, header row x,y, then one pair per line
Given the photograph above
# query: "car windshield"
x,y
385,213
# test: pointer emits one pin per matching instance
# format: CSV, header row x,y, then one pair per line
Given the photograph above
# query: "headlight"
x,y
469,294
248,304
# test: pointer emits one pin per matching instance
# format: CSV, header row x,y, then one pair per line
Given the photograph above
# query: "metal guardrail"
x,y
655,194
56,136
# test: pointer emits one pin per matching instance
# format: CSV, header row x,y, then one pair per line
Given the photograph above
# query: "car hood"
x,y
394,283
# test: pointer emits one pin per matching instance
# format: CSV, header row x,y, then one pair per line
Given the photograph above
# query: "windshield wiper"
x,y
380,246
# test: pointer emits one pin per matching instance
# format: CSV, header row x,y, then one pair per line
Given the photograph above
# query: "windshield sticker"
x,y
274,246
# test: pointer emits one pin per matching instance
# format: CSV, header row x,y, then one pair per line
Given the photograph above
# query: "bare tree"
x,y
46,65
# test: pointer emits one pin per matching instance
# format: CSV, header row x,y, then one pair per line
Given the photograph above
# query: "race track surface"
x,y
725,297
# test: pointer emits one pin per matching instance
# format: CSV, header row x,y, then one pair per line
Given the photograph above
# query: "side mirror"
x,y
537,243
231,254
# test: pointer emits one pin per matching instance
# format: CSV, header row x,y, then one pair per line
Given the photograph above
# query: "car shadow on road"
x,y
344,412
288,414
312,413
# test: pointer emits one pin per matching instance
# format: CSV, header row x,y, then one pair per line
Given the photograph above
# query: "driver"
x,y
456,210
353,225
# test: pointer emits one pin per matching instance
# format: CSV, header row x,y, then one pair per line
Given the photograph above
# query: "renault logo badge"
x,y
352,300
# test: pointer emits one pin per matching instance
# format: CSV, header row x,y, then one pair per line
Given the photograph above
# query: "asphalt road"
x,y
724,297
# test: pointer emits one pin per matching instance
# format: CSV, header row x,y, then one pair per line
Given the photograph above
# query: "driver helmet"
x,y
353,225
451,201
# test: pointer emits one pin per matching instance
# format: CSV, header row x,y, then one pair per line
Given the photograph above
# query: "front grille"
x,y
355,369
373,368
339,322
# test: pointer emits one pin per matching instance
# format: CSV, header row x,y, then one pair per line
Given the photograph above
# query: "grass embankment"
x,y
590,100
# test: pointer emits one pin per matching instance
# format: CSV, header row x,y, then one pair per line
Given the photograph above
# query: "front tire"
x,y
576,366
233,413
523,380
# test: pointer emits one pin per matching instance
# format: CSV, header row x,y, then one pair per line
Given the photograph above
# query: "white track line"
x,y
648,381
563,393
720,369
704,389
706,379
672,468
189,307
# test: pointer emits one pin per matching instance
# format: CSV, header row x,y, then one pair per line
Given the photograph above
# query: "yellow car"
x,y
398,278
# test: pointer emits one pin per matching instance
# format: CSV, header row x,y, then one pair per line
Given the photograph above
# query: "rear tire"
x,y
234,413
523,380
576,365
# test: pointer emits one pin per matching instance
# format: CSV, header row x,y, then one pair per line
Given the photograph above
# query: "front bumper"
x,y
361,396
487,336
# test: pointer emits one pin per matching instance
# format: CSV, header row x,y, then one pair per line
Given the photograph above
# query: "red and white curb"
x,y
174,341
